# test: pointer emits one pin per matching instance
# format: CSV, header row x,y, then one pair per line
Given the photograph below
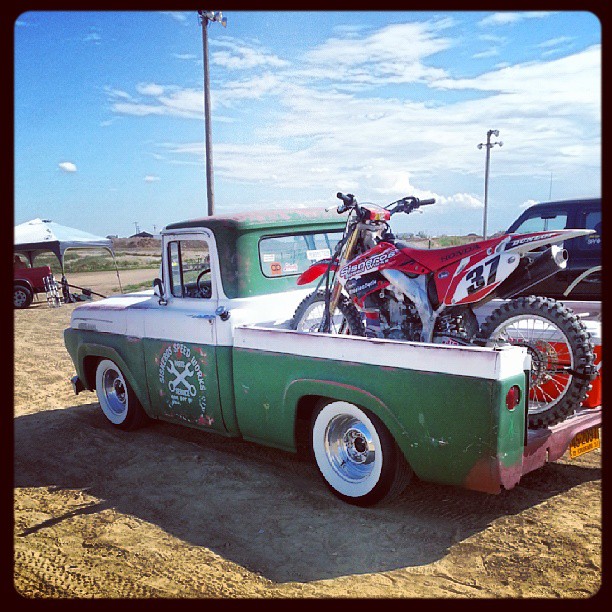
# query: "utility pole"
x,y
489,145
136,226
205,17
550,188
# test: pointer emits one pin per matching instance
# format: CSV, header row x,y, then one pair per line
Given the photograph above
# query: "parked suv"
x,y
581,280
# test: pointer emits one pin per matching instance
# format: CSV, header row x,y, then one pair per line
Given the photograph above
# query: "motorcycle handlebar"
x,y
348,202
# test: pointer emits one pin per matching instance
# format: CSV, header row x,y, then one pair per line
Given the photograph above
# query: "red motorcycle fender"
x,y
317,269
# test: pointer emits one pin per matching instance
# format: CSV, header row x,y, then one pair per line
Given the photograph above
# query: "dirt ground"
x,y
170,512
106,283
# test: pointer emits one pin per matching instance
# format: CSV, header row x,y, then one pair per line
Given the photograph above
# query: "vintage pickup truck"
x,y
210,347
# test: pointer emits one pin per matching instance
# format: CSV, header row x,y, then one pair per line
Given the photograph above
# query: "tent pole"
x,y
117,270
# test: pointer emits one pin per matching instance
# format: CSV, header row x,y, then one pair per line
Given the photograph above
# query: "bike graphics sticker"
x,y
371,264
481,277
182,381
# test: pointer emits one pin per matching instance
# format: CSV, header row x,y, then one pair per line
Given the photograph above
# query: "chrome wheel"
x,y
114,389
112,392
347,449
350,448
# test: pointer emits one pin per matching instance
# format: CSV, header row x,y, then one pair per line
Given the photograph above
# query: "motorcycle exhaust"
x,y
533,269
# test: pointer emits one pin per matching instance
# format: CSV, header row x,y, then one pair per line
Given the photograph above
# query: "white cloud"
x,y
184,56
492,38
151,179
180,103
93,36
150,89
509,17
393,54
325,137
117,93
67,167
240,56
554,42
179,16
488,53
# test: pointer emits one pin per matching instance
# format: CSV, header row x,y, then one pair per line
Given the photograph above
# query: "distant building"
x,y
142,235
111,236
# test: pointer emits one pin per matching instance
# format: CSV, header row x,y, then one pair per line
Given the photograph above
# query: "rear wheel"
x,y
357,456
309,315
22,296
561,351
117,399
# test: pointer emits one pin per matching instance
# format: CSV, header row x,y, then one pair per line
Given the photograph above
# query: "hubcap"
x,y
350,448
19,298
115,391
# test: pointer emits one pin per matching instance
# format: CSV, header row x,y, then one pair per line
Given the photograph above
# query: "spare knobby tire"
x,y
561,350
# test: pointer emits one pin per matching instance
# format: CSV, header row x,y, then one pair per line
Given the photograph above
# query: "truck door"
x,y
180,336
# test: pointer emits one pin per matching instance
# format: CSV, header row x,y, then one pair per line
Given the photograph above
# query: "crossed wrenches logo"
x,y
180,378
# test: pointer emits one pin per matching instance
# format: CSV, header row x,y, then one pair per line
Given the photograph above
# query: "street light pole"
x,y
205,17
488,145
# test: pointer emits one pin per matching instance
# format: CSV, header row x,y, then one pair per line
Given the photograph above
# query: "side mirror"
x,y
158,289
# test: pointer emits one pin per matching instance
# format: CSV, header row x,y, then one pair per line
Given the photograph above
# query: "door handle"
x,y
223,313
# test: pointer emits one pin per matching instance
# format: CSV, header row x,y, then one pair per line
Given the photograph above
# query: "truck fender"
x,y
336,391
23,282
99,351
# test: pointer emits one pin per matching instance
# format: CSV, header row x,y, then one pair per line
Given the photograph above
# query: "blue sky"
x,y
109,126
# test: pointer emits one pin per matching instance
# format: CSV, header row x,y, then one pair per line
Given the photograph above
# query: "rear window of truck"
x,y
292,254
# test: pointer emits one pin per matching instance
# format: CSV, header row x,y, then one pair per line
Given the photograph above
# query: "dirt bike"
x,y
428,295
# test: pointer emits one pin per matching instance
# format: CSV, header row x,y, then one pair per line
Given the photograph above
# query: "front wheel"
x,y
117,399
357,456
561,351
309,315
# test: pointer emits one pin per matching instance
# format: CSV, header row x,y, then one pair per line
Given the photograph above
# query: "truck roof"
x,y
272,219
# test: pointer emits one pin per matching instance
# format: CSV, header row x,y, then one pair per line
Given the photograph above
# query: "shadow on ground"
x,y
261,508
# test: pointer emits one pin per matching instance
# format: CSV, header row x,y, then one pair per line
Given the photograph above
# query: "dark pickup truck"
x,y
27,282
581,279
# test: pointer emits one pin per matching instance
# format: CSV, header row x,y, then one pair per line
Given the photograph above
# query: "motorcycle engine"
x,y
453,329
399,318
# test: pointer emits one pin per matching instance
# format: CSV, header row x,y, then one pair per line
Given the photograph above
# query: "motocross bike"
x,y
428,295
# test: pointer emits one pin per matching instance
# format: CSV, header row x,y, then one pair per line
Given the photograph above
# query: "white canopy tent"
x,y
41,235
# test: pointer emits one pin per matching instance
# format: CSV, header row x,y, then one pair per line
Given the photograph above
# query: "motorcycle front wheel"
x,y
561,351
309,314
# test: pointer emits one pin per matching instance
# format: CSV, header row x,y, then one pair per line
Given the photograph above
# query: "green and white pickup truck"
x,y
210,347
